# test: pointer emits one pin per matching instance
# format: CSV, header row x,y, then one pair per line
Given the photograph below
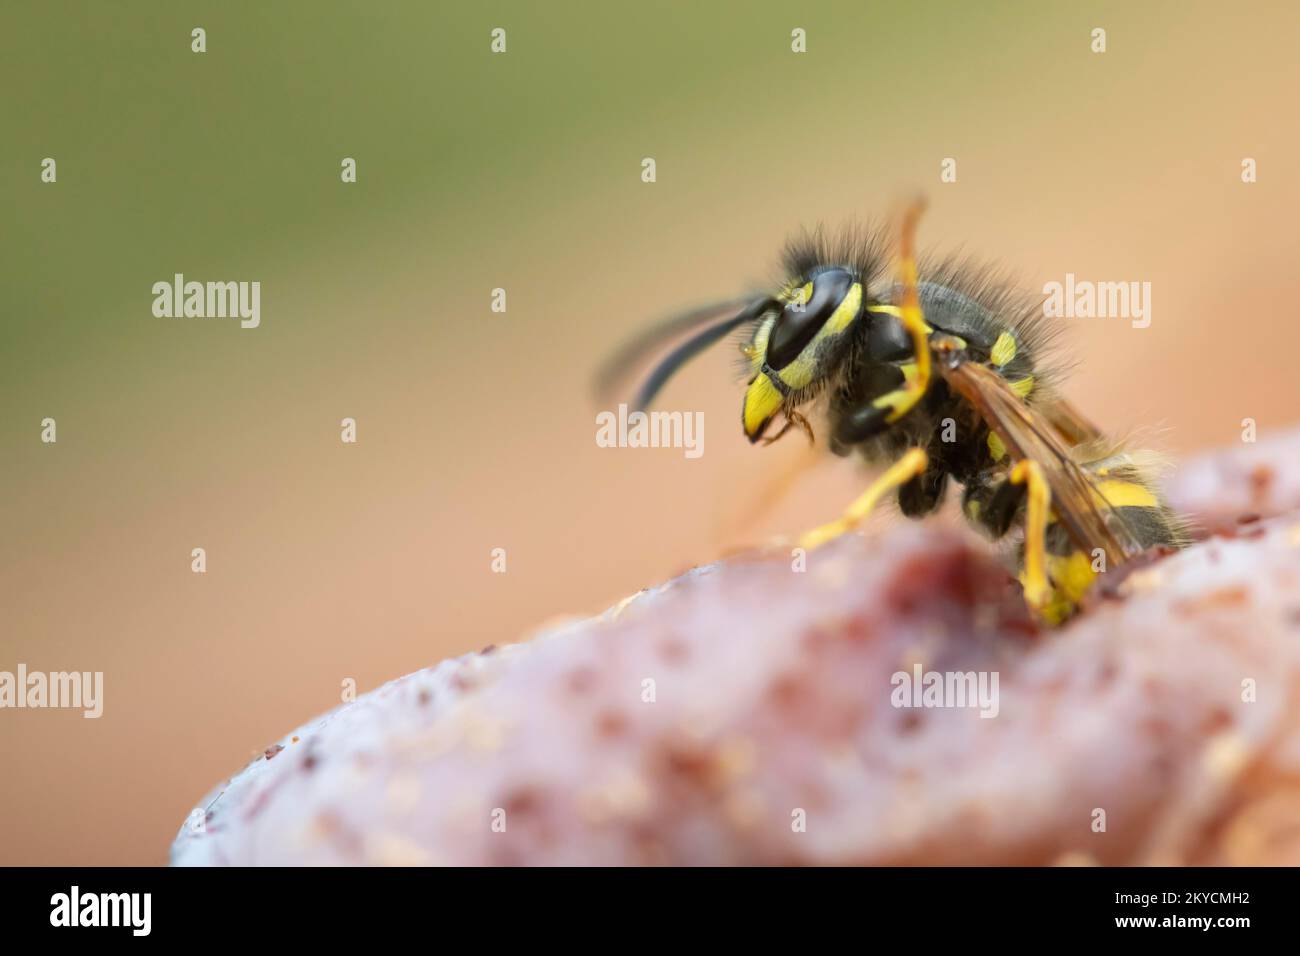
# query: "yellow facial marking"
x,y
996,448
1004,349
799,372
845,312
761,402
758,348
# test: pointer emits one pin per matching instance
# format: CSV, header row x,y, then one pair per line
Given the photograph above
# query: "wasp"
x,y
935,373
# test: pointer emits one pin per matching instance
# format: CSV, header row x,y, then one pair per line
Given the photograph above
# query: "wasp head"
x,y
798,344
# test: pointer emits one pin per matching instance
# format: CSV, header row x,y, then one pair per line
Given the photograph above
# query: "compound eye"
x,y
798,324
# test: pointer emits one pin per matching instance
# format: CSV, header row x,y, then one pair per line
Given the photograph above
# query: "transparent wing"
x,y
1027,434
1069,422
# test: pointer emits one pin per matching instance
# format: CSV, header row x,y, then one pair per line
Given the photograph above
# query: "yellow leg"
x,y
1038,592
903,400
1072,576
906,468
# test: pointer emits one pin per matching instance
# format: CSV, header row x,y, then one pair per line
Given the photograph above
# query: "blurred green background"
x,y
476,430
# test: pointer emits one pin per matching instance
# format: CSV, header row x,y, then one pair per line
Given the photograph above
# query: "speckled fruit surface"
x,y
745,713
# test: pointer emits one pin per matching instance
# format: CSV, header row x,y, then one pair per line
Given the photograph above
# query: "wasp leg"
x,y
991,502
912,464
793,420
1038,591
1003,507
922,494
894,405
1072,575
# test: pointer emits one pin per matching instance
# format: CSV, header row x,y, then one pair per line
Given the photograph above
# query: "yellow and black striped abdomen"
x,y
1124,491
1123,488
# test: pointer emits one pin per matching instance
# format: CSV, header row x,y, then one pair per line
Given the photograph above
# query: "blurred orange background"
x,y
476,430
